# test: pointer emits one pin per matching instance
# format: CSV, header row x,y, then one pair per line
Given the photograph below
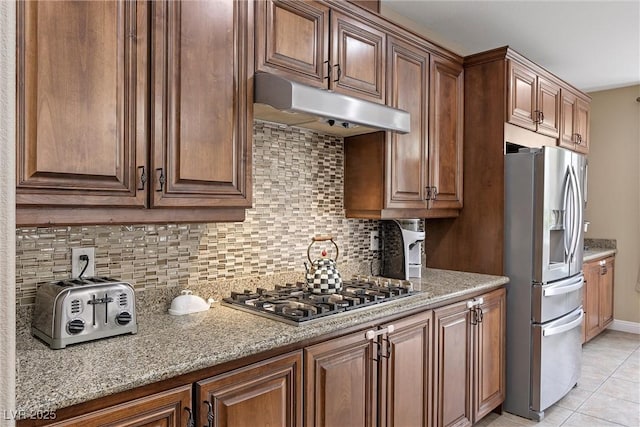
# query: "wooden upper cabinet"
x,y
357,58
407,154
567,124
522,96
446,134
201,104
292,38
267,393
309,43
549,108
81,72
575,119
583,117
417,174
171,408
534,101
124,105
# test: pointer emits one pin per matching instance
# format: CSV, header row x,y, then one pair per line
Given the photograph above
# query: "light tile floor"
x,y
607,395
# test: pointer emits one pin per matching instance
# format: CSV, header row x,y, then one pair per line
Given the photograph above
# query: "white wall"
x,y
614,189
7,212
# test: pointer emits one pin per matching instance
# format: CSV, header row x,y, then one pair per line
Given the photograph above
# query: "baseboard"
x,y
625,326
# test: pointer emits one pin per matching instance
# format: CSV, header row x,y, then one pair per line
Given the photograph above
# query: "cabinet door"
x,y
292,39
358,58
605,292
167,409
567,121
81,103
452,367
522,96
591,300
489,367
268,393
583,111
340,383
446,136
202,107
406,380
549,108
407,155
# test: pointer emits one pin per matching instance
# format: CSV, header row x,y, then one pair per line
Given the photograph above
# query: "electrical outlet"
x,y
374,241
77,265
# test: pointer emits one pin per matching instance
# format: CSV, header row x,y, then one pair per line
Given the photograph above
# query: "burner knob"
x,y
75,326
123,318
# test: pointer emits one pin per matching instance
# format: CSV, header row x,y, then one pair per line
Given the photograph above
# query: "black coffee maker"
x,y
401,249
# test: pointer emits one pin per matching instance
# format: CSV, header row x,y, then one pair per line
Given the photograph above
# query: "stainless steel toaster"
x,y
83,309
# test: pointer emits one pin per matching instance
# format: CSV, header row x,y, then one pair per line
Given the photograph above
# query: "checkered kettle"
x,y
323,276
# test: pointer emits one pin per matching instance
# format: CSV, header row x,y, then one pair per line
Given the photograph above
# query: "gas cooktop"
x,y
295,304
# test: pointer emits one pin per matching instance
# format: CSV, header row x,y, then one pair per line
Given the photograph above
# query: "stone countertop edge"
x,y
596,253
168,346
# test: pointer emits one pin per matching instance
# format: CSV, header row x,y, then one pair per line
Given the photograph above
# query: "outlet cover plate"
x,y
374,243
77,265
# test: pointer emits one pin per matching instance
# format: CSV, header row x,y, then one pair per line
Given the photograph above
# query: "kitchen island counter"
x,y
169,346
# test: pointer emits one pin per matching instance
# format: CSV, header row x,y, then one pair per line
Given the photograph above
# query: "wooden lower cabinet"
x,y
267,393
170,408
489,353
469,359
340,382
442,367
406,375
354,381
598,296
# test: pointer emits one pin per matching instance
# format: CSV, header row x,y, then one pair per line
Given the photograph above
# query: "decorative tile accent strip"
x,y
298,193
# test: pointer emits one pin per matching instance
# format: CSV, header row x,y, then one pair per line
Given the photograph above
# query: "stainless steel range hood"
x,y
283,101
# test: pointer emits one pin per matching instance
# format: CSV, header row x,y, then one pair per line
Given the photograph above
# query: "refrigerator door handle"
x,y
555,330
577,214
562,289
567,225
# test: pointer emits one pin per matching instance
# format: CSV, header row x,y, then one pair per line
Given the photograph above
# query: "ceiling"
x,y
594,45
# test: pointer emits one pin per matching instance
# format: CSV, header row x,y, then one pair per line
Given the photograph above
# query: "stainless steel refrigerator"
x,y
544,215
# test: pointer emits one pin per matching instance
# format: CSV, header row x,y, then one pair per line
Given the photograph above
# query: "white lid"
x,y
188,303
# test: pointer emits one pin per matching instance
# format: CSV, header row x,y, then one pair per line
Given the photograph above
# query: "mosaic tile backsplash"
x,y
298,193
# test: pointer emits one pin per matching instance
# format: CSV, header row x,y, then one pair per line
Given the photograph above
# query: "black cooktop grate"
x,y
294,303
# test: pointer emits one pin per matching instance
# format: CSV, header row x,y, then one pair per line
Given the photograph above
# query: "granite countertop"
x,y
168,346
598,248
595,253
